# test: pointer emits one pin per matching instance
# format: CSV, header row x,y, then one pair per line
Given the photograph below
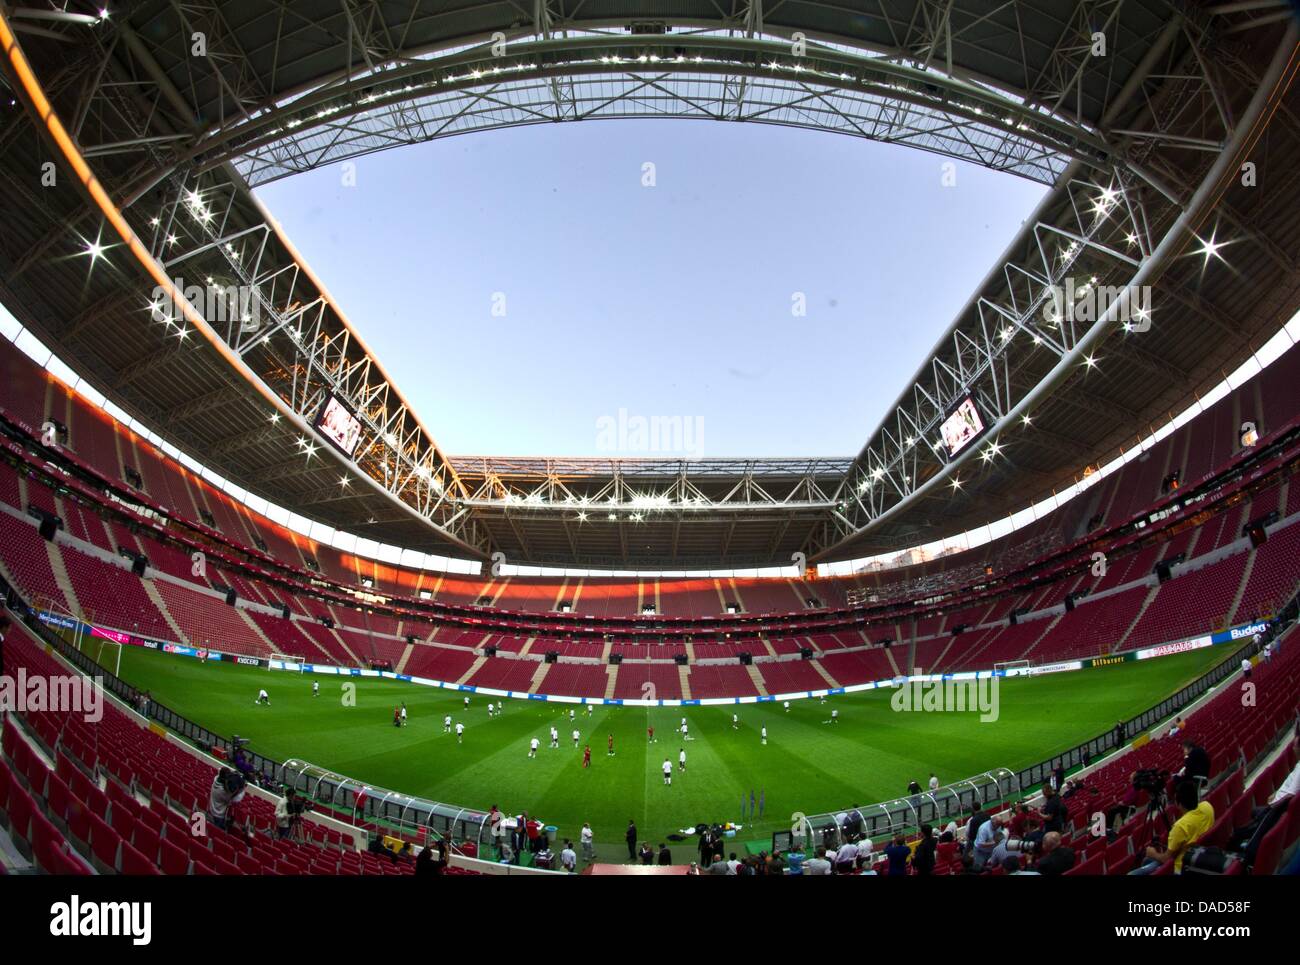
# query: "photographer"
x,y
285,813
1196,819
228,789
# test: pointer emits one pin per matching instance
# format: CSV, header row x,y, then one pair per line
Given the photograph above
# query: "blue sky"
x,y
666,301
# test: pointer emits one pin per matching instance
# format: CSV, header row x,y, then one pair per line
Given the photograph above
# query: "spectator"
x,y
773,863
1245,668
647,854
519,836
898,853
794,859
934,782
820,865
1120,733
1289,787
1194,821
283,814
924,856
706,847
1058,778
1007,847
1129,800
845,857
977,820
986,839
1053,811
665,856
1057,859
1023,821
568,857
430,861
1196,762
1176,728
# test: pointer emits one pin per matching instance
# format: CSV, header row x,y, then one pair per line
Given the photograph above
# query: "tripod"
x,y
1157,814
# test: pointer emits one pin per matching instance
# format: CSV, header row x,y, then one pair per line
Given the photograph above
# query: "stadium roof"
x,y
1140,114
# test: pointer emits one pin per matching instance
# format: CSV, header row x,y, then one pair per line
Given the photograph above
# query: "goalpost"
x,y
1012,667
286,661
99,658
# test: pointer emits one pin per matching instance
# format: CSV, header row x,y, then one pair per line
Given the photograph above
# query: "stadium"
x,y
258,622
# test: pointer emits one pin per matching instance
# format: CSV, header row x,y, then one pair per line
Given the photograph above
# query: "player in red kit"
x,y
651,732
586,756
610,744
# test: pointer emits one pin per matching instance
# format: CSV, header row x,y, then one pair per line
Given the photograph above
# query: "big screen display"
x,y
962,427
339,426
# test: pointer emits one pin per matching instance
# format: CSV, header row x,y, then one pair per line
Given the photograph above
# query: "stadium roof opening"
x,y
597,290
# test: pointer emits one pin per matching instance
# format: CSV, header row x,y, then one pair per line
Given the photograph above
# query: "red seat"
x,y
21,809
57,801
172,859
104,844
122,821
1270,849
78,828
51,854
6,780
135,863
1094,865
146,841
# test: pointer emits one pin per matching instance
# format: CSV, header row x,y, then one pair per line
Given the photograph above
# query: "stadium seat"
x,y
132,862
104,845
6,781
21,809
1270,848
172,859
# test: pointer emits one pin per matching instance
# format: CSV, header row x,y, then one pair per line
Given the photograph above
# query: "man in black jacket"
x,y
1196,762
631,840
923,856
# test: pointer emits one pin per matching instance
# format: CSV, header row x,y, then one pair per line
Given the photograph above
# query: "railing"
x,y
407,816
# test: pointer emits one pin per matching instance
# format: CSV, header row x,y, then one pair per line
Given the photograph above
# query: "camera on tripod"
x,y
1151,780
232,781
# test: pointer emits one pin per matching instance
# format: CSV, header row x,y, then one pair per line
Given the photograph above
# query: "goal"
x,y
286,661
1012,667
99,657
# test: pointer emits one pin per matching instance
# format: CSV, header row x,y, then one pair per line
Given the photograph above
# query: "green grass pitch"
x,y
807,765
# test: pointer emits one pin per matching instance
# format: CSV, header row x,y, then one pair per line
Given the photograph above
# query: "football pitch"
x,y
808,764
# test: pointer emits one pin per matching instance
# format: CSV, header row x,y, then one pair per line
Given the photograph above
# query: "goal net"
x,y
286,661
106,649
1012,667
